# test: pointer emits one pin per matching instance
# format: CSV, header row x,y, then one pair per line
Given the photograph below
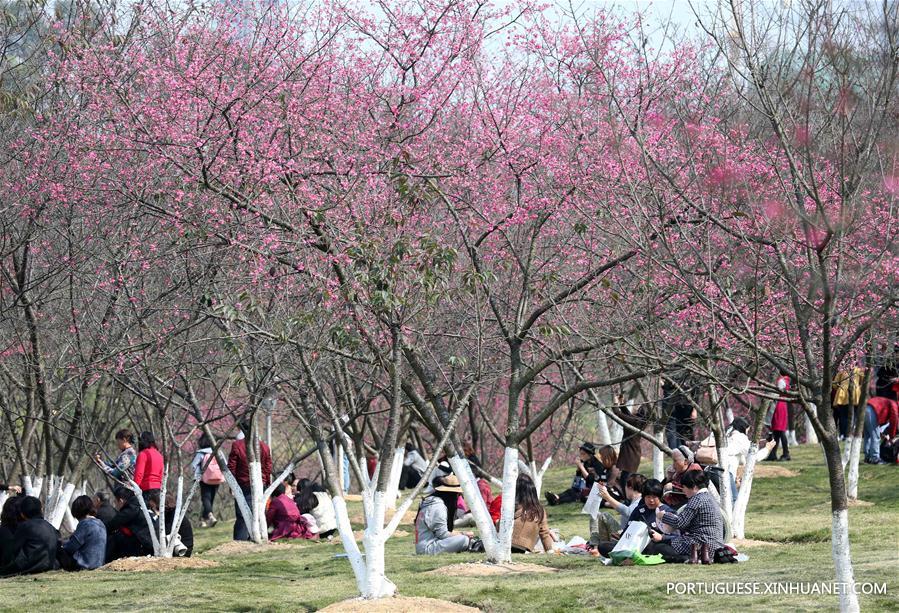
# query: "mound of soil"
x,y
767,469
482,569
398,604
157,565
739,544
239,547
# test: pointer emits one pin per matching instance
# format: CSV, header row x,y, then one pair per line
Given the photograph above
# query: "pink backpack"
x,y
213,473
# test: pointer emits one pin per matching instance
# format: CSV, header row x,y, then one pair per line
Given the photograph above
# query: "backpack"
x,y
213,473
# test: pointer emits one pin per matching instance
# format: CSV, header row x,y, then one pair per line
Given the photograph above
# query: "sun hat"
x,y
449,483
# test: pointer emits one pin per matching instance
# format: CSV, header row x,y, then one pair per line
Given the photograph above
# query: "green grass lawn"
x,y
794,511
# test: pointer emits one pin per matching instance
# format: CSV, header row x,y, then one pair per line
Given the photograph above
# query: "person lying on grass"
x,y
645,511
434,521
700,522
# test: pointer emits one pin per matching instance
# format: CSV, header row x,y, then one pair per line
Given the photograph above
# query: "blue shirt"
x,y
88,543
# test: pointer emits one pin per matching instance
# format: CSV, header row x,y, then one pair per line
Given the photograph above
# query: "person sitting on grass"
x,y
103,509
285,518
314,501
86,548
128,533
681,462
35,543
589,469
700,521
633,490
434,521
530,518
645,511
9,518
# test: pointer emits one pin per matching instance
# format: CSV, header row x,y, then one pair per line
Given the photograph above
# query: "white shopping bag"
x,y
591,507
635,538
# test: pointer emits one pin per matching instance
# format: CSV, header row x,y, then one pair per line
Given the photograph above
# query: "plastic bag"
x,y
591,507
634,539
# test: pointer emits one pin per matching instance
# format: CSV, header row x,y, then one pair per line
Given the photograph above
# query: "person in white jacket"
x,y
312,499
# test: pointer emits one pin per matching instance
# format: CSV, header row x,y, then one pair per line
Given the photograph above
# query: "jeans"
x,y
872,435
241,532
207,498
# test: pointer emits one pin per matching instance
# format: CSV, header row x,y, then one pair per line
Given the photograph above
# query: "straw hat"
x,y
449,483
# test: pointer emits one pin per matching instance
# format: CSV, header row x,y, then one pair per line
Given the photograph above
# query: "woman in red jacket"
x,y
779,422
149,466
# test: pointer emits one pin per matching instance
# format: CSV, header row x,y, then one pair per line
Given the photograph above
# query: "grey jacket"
x,y
430,525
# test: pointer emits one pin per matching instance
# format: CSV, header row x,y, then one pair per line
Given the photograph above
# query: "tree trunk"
x,y
738,525
658,458
477,506
396,471
842,557
811,437
854,444
602,428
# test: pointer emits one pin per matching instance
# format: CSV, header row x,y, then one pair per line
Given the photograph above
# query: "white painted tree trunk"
x,y
338,461
393,484
538,476
60,504
616,431
847,452
507,512
258,528
658,462
603,434
728,415
477,506
366,479
345,530
811,437
33,485
854,453
842,560
738,524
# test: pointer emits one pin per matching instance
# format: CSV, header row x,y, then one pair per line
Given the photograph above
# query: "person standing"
x,y
149,468
779,422
123,467
207,470
239,465
629,452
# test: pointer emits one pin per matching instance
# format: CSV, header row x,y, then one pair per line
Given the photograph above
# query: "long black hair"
x,y
305,498
526,499
9,516
449,499
146,440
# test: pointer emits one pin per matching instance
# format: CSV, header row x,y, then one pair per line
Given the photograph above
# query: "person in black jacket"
x,y
9,518
103,510
35,543
589,470
129,534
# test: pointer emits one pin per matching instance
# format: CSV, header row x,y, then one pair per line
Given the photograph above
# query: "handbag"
x,y
591,507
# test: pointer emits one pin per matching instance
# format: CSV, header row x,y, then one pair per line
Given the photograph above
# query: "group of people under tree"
x,y
682,513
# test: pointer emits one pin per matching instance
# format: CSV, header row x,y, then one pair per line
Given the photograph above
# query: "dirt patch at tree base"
x,y
398,604
240,547
740,543
483,569
157,565
767,469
